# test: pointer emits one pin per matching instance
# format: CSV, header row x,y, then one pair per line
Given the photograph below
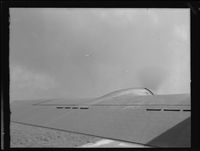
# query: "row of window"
x,y
152,109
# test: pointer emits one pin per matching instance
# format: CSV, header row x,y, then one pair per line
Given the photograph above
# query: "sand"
x,y
30,136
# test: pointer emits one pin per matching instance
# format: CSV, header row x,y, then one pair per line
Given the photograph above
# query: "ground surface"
x,y
29,136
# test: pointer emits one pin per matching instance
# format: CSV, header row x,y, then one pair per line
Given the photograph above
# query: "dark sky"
x,y
71,52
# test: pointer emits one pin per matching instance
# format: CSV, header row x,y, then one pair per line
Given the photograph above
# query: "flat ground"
x,y
30,136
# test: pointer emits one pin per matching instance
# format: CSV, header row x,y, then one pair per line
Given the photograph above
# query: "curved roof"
x,y
132,91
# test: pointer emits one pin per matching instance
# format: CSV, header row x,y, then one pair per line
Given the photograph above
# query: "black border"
x,y
100,3
194,49
194,15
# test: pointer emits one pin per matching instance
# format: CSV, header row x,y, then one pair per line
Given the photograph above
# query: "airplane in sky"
x,y
134,116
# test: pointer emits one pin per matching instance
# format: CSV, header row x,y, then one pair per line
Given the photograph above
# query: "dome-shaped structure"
x,y
129,92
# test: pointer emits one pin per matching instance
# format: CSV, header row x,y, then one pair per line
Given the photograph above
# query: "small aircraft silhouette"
x,y
133,115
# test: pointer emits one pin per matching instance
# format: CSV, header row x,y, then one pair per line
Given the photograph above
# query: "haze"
x,y
88,52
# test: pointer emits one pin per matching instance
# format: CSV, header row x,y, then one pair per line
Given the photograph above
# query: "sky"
x,y
88,52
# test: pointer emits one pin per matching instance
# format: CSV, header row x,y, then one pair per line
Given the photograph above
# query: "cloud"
x,y
123,18
178,80
25,78
181,32
89,52
152,77
118,17
25,83
153,15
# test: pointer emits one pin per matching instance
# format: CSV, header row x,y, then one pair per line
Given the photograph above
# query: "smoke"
x,y
152,77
